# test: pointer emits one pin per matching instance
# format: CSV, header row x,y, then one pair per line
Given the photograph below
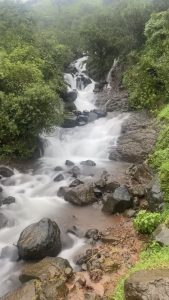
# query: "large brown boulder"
x,y
148,285
137,139
47,269
39,240
80,195
36,289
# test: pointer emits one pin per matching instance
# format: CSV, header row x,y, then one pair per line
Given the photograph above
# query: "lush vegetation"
x,y
147,222
40,38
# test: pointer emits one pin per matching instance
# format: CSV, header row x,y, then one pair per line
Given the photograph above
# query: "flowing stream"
x,y
36,192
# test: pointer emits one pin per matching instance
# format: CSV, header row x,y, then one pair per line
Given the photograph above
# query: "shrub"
x,y
147,222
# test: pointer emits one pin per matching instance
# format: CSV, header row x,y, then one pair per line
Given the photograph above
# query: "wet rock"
x,y
100,113
10,252
137,139
58,178
76,182
75,171
39,240
7,201
76,231
69,163
70,121
161,235
70,106
148,285
155,196
139,173
93,234
47,269
81,195
58,169
6,172
106,183
138,191
70,96
83,81
88,163
3,221
36,289
118,202
61,192
99,86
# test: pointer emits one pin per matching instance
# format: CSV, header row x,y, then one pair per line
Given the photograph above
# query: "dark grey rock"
x,y
75,171
69,163
161,235
88,163
93,234
39,240
154,196
61,192
76,182
148,285
118,202
58,178
70,121
70,96
7,201
92,116
6,171
58,169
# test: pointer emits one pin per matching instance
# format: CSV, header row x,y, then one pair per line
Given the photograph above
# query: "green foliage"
x,y
148,79
147,222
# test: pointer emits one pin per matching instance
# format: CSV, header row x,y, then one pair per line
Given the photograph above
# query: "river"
x,y
36,192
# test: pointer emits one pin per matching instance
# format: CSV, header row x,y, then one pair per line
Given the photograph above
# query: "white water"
x,y
36,193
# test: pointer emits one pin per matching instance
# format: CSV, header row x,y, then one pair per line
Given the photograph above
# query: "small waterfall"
x,y
109,76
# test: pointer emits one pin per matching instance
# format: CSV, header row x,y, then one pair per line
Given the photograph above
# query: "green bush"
x,y
147,222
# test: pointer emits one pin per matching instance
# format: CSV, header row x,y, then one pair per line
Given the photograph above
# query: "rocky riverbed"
x,y
80,204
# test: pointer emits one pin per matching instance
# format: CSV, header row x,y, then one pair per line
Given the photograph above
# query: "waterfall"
x,y
36,192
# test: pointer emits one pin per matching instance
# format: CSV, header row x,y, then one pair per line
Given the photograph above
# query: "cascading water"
x,y
36,192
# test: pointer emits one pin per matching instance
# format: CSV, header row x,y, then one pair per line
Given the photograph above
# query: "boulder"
x,y
100,113
81,195
137,139
93,234
70,106
88,163
7,201
70,121
83,81
118,202
70,96
58,178
154,196
148,285
3,221
139,173
106,183
39,240
6,171
76,182
75,171
36,289
161,235
48,268
58,169
69,163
